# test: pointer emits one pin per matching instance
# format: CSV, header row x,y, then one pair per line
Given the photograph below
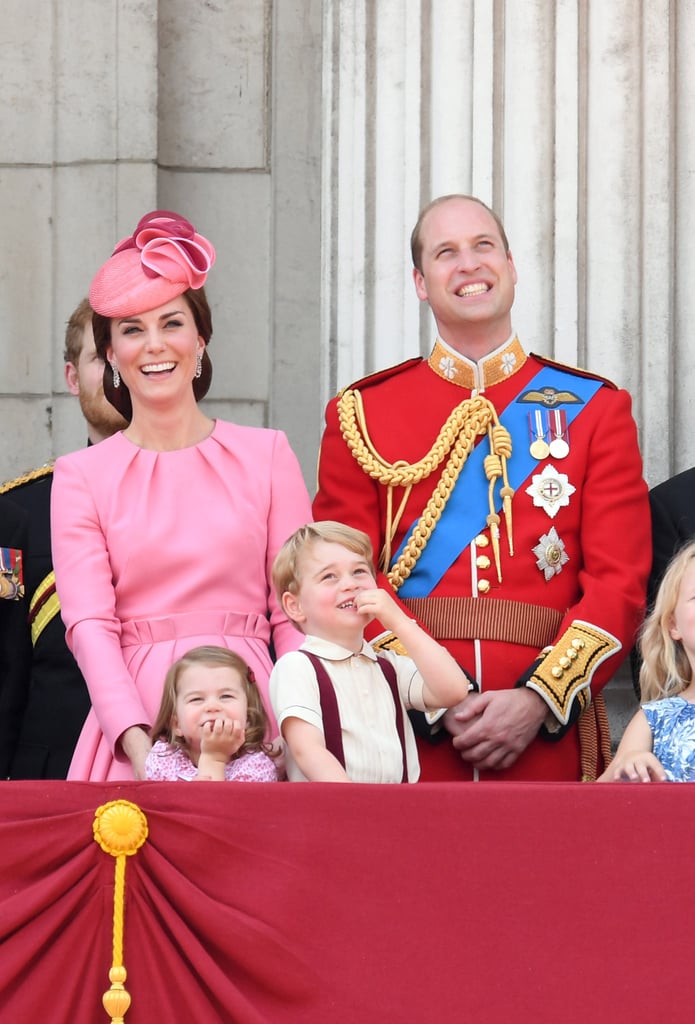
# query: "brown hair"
x,y
214,657
120,397
416,240
285,571
74,332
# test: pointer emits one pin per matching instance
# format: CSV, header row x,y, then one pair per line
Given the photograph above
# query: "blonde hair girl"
x,y
659,742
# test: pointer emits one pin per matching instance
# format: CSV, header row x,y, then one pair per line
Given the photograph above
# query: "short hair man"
x,y
505,496
45,701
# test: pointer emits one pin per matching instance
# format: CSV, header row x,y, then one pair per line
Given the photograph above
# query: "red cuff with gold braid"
x,y
564,672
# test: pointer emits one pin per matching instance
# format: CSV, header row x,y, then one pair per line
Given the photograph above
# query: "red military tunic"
x,y
575,601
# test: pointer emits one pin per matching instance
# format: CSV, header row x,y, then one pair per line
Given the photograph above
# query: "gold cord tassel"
x,y
594,739
501,443
120,829
493,471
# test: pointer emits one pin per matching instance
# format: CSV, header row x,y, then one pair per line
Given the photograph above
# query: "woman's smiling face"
x,y
156,352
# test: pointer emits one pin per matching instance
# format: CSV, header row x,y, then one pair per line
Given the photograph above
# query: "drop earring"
x,y
199,364
116,375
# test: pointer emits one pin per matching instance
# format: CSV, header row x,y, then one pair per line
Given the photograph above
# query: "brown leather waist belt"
x,y
477,618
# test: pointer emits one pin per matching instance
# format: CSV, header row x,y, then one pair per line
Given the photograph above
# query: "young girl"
x,y
659,742
211,722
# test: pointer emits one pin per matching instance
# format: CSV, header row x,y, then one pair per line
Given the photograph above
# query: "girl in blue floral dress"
x,y
659,742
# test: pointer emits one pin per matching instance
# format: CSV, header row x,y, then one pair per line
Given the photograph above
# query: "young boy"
x,y
341,710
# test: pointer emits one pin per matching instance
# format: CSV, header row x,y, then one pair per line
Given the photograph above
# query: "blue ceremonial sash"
x,y
466,512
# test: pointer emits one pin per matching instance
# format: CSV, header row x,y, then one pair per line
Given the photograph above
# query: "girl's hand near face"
x,y
220,740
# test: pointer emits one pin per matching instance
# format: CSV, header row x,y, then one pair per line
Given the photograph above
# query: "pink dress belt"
x,y
202,623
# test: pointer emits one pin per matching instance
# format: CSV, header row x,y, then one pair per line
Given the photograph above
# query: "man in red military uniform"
x,y
504,498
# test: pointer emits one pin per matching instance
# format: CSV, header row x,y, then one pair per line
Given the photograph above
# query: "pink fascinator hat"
x,y
163,258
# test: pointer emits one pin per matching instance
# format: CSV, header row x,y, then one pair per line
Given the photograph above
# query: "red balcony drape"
x,y
281,904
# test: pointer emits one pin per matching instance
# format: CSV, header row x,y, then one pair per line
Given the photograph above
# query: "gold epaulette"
x,y
576,370
565,672
27,478
380,375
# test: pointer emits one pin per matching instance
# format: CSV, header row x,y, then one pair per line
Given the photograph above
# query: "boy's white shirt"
x,y
365,703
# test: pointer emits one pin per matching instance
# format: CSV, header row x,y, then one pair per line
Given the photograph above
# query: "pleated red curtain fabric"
x,y
281,904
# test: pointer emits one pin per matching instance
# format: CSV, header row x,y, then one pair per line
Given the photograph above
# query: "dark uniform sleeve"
x,y
15,640
673,523
672,506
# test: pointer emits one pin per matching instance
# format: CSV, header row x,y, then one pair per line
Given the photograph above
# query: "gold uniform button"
x,y
483,562
565,662
557,672
481,541
483,586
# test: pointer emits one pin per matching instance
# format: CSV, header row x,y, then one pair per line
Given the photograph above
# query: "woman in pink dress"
x,y
164,534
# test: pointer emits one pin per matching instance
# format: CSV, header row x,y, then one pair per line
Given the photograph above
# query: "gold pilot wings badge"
x,y
550,397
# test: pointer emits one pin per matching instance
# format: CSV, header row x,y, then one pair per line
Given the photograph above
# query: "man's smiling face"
x,y
467,276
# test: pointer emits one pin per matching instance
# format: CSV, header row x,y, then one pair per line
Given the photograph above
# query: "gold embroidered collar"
x,y
495,367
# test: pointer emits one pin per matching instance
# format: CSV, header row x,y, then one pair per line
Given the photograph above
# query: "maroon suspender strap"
x,y
390,676
329,709
331,717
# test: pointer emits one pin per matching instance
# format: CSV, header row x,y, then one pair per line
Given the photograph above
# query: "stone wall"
x,y
302,136
115,107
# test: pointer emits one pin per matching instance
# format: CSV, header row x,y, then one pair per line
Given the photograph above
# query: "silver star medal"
x,y
550,554
550,490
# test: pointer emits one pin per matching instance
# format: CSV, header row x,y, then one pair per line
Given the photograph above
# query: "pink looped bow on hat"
x,y
164,257
170,247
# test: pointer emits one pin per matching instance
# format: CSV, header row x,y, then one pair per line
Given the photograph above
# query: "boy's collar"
x,y
333,651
